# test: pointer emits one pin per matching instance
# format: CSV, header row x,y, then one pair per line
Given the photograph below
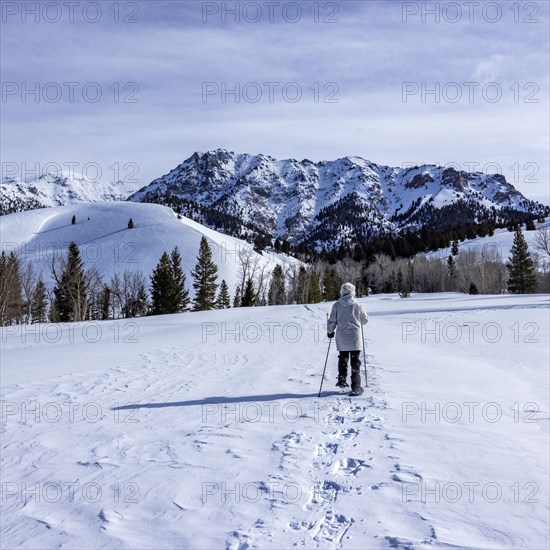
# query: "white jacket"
x,y
346,317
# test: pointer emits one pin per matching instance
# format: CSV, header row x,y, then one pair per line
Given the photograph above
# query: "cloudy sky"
x,y
134,88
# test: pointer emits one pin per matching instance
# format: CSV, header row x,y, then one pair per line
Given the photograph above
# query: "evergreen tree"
x,y
73,220
141,305
454,248
39,307
301,287
105,302
53,314
205,274
223,301
530,225
260,242
403,287
162,287
276,295
180,293
11,301
522,275
237,298
389,285
405,291
451,266
249,294
399,283
71,290
130,223
472,289
330,287
314,295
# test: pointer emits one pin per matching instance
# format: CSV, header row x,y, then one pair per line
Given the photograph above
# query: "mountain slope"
x,y
57,190
498,245
106,243
334,202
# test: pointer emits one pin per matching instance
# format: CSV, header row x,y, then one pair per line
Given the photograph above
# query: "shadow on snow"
x,y
224,399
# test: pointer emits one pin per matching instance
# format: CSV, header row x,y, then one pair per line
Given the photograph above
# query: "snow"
x,y
105,242
179,436
64,187
498,245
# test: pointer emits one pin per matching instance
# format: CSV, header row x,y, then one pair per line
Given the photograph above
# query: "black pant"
x,y
343,357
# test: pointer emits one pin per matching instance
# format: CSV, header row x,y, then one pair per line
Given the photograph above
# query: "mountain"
x,y
330,203
105,242
57,190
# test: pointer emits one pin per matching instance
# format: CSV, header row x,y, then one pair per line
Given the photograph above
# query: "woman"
x,y
347,318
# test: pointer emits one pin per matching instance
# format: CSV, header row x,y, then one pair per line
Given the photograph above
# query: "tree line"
x,y
80,293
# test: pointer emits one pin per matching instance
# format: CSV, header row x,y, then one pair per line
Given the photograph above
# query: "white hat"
x,y
347,288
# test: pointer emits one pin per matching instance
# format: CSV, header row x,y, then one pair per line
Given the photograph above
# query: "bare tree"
x,y
429,274
117,295
349,271
128,294
135,294
379,272
95,285
248,261
261,284
29,279
542,240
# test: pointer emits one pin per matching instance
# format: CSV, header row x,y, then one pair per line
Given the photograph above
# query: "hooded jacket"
x,y
346,317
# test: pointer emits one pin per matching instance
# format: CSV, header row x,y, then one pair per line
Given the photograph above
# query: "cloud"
x,y
365,56
489,70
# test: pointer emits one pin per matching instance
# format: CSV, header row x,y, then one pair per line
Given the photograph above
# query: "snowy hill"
x,y
497,245
105,242
57,190
191,431
333,202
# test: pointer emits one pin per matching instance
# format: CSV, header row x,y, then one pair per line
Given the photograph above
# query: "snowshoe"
x,y
342,384
355,392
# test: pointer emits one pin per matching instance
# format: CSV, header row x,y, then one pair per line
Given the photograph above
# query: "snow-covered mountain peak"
x,y
58,189
318,202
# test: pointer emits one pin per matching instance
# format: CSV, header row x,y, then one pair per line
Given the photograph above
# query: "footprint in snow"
x,y
349,466
331,528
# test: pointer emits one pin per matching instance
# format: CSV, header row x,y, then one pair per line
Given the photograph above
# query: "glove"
x,y
330,334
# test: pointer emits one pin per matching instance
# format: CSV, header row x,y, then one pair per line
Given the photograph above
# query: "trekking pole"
x,y
325,368
326,361
364,357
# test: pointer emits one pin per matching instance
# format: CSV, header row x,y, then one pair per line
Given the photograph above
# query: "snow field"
x,y
182,434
